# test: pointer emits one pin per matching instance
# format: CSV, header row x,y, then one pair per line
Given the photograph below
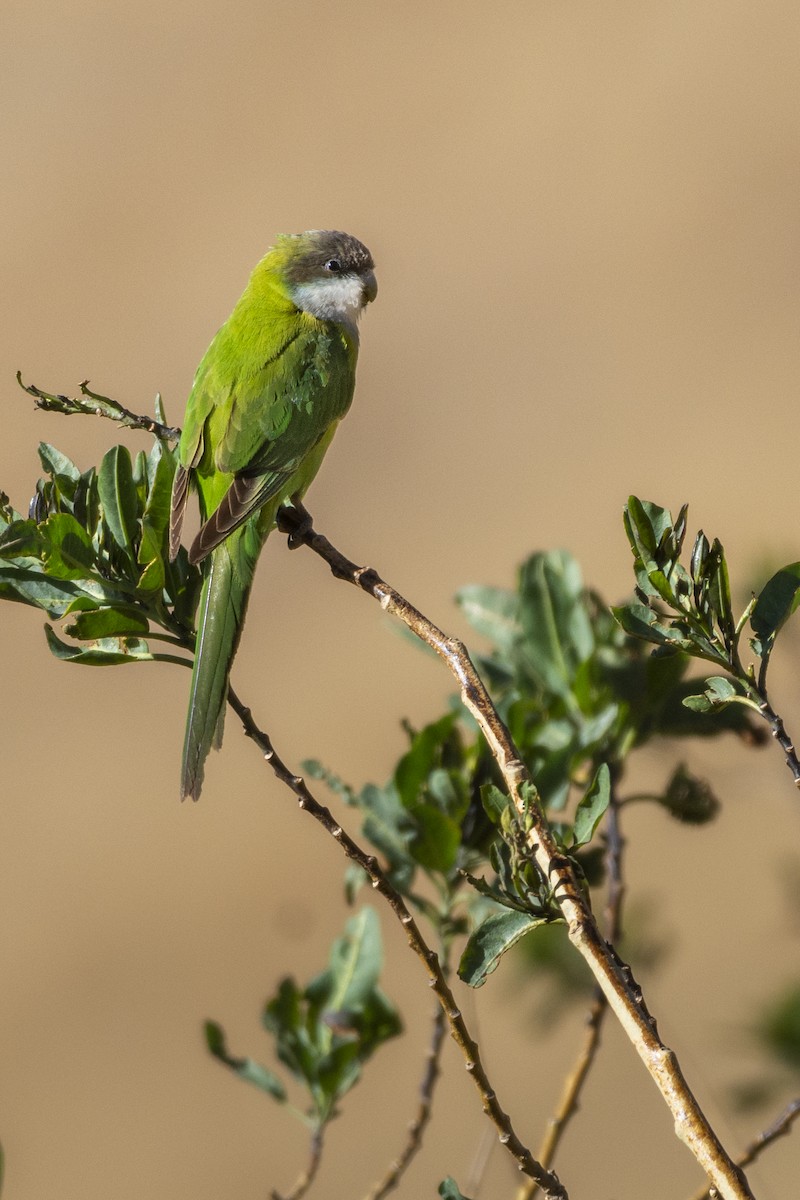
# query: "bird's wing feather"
x,y
180,494
275,419
279,410
245,495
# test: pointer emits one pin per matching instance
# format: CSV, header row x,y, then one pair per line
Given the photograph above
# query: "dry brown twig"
x,y
417,1126
308,1174
613,977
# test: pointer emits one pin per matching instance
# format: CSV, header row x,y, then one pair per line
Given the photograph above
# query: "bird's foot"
x,y
295,521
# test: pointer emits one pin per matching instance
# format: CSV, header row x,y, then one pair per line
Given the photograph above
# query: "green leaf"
x,y
490,941
354,966
152,577
8,514
57,464
118,496
425,752
246,1068
21,539
556,631
140,476
317,770
717,693
107,622
493,612
30,585
68,552
495,803
640,621
656,544
592,806
646,524
389,827
285,1017
654,583
448,1190
700,552
436,840
106,652
444,788
776,602
326,1032
675,719
155,519
719,589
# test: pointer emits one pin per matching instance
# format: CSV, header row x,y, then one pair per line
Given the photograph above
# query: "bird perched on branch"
x,y
265,403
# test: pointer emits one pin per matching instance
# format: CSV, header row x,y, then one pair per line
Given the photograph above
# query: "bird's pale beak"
x,y
369,288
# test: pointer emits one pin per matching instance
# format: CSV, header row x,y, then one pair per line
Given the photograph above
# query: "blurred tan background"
x,y
585,220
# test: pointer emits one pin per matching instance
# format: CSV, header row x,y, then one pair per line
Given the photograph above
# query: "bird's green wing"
x,y
279,411
275,421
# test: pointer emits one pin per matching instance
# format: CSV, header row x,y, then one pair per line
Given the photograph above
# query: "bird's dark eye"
x,y
333,265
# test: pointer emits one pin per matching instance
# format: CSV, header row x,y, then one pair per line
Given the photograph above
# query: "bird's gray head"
x,y
328,274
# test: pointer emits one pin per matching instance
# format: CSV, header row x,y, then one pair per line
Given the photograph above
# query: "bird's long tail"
x,y
223,602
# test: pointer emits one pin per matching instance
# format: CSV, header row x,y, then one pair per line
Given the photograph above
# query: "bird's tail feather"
x,y
223,601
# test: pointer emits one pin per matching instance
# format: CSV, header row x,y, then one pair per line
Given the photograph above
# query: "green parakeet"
x,y
266,400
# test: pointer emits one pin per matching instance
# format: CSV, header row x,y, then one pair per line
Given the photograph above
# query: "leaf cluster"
x,y
689,608
326,1031
577,690
578,694
93,553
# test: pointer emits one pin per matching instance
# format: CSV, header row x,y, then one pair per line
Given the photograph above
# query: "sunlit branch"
x,y
573,1085
777,1129
613,976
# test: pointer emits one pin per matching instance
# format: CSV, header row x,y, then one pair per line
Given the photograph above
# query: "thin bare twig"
x,y
423,1114
548,1181
777,1129
613,976
308,1175
573,1085
90,403
779,733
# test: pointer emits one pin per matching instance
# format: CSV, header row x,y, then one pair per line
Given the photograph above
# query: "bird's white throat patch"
x,y
337,298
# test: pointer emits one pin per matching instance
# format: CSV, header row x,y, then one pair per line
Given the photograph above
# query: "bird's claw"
x,y
295,521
